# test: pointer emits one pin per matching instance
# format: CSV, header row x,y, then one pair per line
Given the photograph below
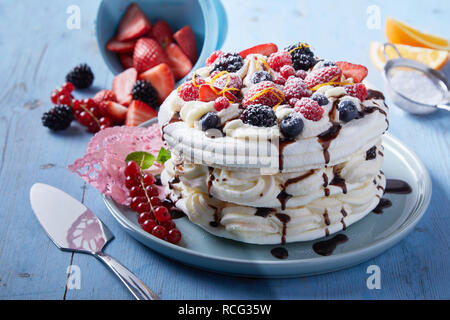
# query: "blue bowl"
x,y
206,17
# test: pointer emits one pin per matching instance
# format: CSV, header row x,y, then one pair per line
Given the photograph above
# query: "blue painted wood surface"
x,y
37,51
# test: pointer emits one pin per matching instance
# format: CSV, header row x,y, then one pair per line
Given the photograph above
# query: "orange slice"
x,y
435,59
400,33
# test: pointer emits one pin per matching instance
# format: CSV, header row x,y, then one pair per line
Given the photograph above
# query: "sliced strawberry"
x,y
265,49
185,38
120,46
123,84
161,78
105,95
133,24
126,59
147,54
208,93
162,32
113,110
178,61
139,112
355,71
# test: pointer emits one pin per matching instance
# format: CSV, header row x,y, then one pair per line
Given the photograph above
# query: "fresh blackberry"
x,y
259,115
209,121
81,76
321,99
260,76
302,56
230,62
58,118
144,91
347,110
292,125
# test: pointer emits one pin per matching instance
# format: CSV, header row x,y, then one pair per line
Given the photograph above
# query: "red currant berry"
x,y
136,201
143,207
162,214
64,99
159,232
76,105
131,182
149,225
169,225
132,169
68,87
105,121
148,179
144,216
152,191
54,97
155,201
93,127
174,236
85,118
137,191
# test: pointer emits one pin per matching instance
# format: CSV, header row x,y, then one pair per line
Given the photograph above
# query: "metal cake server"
x,y
73,227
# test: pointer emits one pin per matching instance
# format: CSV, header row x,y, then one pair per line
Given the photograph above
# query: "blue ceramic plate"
x,y
367,238
206,17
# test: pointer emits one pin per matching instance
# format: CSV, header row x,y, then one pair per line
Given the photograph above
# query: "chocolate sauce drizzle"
x,y
298,179
371,153
216,221
282,145
280,253
374,94
283,197
284,218
325,139
339,182
384,203
264,212
210,180
175,118
326,247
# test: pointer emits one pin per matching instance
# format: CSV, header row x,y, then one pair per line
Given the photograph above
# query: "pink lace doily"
x,y
104,162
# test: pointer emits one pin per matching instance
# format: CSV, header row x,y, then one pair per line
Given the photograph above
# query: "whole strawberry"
x,y
357,90
323,75
265,93
147,54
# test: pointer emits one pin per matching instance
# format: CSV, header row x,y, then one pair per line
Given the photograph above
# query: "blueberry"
x,y
261,76
209,121
347,110
292,125
320,98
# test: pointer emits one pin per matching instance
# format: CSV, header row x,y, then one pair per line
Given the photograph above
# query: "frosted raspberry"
x,y
279,80
221,103
295,88
358,90
188,91
310,109
278,59
212,58
265,92
323,75
293,101
301,74
287,71
230,80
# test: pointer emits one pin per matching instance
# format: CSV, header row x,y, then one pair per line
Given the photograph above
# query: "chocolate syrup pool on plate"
x,y
280,253
326,247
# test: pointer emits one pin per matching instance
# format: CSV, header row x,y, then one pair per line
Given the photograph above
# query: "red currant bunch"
x,y
153,217
63,95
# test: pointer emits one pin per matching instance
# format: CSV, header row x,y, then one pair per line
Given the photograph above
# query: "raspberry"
x,y
287,71
188,91
221,103
310,109
301,74
212,58
323,75
105,95
358,90
279,80
278,59
293,101
295,88
265,93
228,80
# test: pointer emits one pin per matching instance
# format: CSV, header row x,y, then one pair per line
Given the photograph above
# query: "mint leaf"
x,y
163,156
144,159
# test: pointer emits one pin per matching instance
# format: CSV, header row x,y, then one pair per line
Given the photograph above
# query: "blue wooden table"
x,y
37,50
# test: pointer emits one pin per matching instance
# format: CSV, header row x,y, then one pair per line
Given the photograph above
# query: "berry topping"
x,y
279,59
302,56
260,76
213,57
287,71
159,231
221,103
295,88
347,110
115,111
81,76
310,109
148,54
357,90
209,121
301,74
279,80
320,98
259,115
355,71
264,49
292,125
58,118
323,75
227,80
105,95
188,91
144,91
293,101
265,93
324,64
230,62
